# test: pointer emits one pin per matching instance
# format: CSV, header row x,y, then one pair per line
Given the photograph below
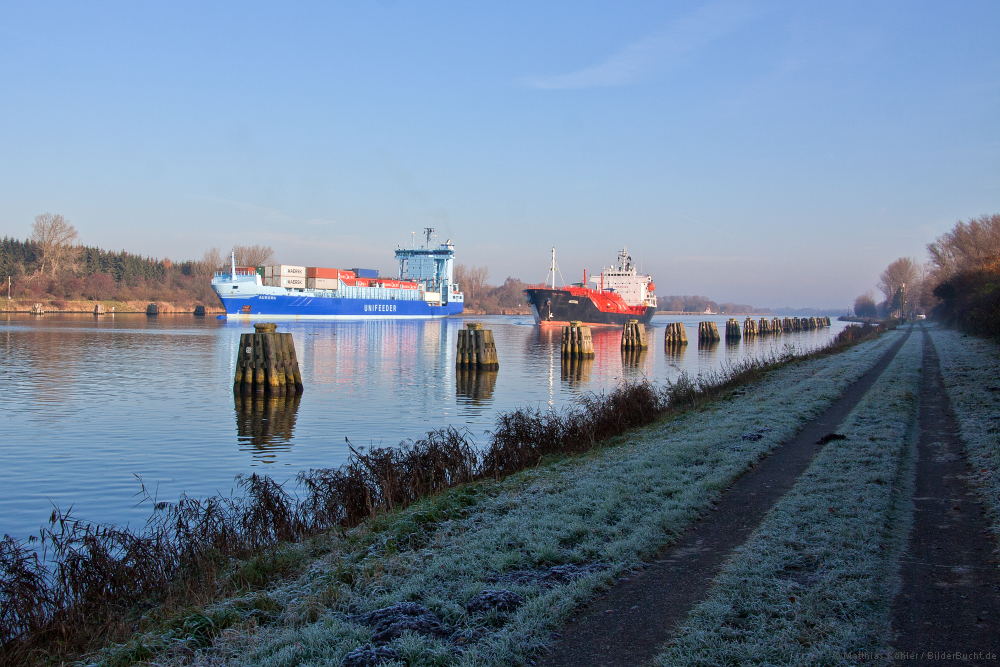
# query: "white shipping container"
x,y
286,281
322,283
268,271
288,270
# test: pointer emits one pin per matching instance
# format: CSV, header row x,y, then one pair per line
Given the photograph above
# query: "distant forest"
x,y
86,272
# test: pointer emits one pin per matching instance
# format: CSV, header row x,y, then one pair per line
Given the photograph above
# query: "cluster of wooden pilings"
x,y
708,332
266,363
674,335
634,336
476,348
577,341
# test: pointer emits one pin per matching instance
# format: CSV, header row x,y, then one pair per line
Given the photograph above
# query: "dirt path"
x,y
638,614
949,601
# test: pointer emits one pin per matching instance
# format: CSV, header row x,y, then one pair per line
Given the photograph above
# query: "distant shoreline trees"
x,y
52,264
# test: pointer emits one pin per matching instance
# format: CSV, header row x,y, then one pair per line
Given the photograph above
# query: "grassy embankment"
x,y
969,372
552,536
815,582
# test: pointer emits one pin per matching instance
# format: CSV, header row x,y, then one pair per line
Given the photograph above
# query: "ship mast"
x,y
552,268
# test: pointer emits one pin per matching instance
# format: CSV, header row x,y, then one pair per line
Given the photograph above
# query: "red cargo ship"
x,y
621,295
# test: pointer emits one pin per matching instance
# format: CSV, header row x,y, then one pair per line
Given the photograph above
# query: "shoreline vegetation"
x,y
162,585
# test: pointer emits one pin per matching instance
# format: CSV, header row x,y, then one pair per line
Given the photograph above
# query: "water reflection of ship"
x,y
266,423
475,385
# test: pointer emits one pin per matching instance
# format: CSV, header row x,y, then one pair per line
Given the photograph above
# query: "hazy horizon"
x,y
766,153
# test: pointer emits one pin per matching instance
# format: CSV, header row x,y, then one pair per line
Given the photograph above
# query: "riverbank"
x,y
110,307
550,537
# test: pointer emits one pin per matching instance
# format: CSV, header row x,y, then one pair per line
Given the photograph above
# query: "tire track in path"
x,y
626,627
948,606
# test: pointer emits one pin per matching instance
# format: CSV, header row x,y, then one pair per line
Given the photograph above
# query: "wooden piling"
x,y
152,310
199,311
732,330
776,327
675,335
708,332
266,363
99,309
577,341
634,336
749,328
37,309
476,348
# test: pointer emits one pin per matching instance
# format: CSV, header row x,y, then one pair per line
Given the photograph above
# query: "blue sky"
x,y
772,153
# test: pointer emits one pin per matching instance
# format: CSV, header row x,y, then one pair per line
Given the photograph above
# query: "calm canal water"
x,y
91,405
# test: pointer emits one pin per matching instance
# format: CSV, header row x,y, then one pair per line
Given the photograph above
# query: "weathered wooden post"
x,y
99,309
732,330
266,363
476,348
750,328
708,332
634,336
37,309
776,327
199,311
674,335
152,310
577,341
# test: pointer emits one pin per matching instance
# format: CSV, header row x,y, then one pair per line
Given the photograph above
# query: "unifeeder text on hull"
x,y
424,289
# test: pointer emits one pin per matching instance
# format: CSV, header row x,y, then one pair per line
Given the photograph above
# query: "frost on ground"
x,y
494,568
815,582
970,370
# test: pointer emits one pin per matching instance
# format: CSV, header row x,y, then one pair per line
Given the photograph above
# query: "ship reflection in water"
x,y
474,385
265,424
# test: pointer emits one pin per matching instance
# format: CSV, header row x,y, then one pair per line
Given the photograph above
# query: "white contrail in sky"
x,y
660,50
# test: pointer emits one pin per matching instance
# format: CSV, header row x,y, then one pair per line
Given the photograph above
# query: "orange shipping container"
x,y
321,272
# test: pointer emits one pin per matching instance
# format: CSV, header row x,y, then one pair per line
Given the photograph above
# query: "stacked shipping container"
x,y
284,275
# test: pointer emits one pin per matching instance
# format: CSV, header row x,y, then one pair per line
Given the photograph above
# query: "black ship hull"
x,y
555,306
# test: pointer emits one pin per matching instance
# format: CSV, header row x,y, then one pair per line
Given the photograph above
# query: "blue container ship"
x,y
424,289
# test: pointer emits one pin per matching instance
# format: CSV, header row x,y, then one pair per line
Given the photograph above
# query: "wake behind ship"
x,y
424,289
621,295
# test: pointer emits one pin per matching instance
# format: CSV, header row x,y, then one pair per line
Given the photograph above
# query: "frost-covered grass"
x,y
815,582
613,507
970,370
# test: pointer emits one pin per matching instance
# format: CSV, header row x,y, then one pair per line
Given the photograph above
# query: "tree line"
x,y
960,282
52,265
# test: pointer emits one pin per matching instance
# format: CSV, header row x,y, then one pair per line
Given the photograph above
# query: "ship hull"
x,y
304,306
555,306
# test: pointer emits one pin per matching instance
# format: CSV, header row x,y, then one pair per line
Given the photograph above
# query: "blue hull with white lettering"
x,y
304,306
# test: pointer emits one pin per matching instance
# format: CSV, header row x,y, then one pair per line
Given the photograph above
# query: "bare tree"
x,y
57,240
253,255
904,271
211,262
471,279
864,305
970,245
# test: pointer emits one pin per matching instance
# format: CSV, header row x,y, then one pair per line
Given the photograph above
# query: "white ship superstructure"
x,y
624,280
